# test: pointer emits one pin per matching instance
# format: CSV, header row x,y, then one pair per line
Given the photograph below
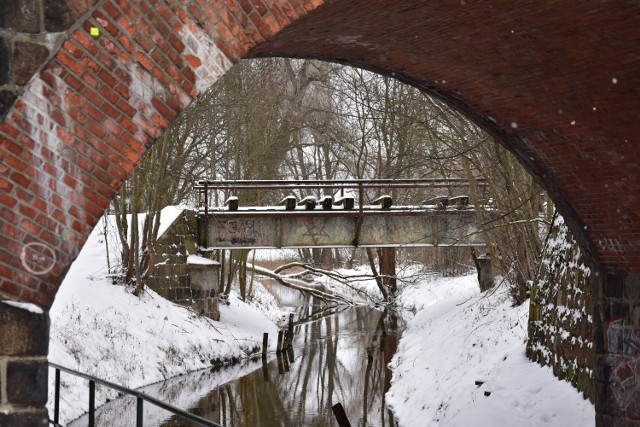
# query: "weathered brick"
x,y
20,15
59,15
5,60
7,98
31,418
26,382
23,332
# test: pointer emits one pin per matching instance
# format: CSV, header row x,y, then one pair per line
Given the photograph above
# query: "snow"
x,y
199,260
103,330
24,306
455,336
167,217
459,337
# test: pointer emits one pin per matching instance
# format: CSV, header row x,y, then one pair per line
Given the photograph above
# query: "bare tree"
x,y
283,118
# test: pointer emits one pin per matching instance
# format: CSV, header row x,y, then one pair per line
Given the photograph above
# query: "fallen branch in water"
x,y
289,284
341,278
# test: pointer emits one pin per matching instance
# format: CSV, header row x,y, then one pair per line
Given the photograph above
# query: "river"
x,y
338,356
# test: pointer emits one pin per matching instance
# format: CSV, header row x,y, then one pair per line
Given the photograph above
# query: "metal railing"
x,y
140,397
203,187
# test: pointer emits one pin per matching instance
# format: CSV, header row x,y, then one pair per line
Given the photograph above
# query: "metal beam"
x,y
300,229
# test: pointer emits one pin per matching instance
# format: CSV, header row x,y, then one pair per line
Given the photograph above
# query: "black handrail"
x,y
204,186
275,184
141,397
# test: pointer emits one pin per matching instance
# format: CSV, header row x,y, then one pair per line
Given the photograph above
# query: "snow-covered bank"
x,y
459,336
105,331
455,337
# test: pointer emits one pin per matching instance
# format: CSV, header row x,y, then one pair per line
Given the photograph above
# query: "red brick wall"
x,y
82,123
557,82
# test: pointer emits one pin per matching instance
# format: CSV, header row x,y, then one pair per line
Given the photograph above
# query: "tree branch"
x,y
287,283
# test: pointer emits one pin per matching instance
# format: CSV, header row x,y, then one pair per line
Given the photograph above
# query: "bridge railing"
x,y
140,397
204,187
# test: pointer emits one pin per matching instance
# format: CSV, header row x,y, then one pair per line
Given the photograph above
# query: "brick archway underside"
x,y
557,82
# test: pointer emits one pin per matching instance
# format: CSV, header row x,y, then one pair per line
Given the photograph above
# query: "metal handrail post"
x,y
206,200
92,403
56,403
139,412
92,384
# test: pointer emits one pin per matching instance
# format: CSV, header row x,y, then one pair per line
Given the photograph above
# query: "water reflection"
x,y
339,357
342,358
287,297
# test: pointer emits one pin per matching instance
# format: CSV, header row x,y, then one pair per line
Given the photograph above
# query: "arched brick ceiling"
x,y
557,82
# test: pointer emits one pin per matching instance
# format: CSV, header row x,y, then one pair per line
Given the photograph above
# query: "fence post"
x,y
279,348
56,403
92,403
139,412
340,415
290,331
265,341
280,363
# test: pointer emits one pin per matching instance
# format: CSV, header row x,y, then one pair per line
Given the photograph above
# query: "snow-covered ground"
x,y
461,362
455,337
103,330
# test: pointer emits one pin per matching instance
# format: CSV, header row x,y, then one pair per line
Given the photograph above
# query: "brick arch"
x,y
558,85
81,124
557,82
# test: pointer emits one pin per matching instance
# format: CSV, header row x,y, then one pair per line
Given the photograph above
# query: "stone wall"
x,y
560,320
24,343
30,32
171,274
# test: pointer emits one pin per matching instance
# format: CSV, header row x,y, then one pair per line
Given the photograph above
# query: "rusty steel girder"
x,y
311,229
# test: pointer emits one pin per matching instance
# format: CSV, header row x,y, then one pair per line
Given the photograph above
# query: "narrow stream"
x,y
338,356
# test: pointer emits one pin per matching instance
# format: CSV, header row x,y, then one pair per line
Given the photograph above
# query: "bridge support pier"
x,y
616,333
387,257
24,343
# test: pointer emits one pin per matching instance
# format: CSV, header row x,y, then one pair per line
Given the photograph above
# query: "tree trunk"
x,y
374,270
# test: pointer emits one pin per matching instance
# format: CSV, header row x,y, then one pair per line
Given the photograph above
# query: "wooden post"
x,y
341,416
280,364
485,279
279,348
265,342
290,331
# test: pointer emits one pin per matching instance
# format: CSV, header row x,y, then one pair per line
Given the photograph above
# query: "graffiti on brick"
x,y
37,258
623,361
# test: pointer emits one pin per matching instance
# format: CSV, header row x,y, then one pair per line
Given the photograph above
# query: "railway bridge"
x,y
338,220
86,86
